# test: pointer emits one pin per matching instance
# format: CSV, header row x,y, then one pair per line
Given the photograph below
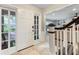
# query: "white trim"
x,y
8,6
58,9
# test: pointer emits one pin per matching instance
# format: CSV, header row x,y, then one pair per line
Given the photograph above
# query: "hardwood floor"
x,y
40,49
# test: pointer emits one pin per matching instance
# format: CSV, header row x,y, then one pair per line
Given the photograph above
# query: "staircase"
x,y
64,40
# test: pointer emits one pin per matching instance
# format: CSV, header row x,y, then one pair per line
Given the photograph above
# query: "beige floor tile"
x,y
39,49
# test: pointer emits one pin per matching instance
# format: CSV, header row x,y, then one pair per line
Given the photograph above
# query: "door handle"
x,y
32,30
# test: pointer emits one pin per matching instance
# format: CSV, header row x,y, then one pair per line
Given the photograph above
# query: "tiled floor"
x,y
40,49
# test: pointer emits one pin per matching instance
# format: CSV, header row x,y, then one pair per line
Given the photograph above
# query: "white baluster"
x,y
61,41
65,41
57,41
74,39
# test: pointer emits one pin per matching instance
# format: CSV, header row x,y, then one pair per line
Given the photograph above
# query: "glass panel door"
x,y
5,29
8,29
12,28
36,27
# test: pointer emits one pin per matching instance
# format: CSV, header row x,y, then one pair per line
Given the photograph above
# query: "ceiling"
x,y
64,14
42,6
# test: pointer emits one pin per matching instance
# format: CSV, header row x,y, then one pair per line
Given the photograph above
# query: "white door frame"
x,y
9,50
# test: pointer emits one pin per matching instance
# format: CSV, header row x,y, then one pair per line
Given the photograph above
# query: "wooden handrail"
x,y
51,31
75,20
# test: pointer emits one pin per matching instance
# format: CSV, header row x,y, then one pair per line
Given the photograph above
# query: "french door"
x,y
36,29
7,31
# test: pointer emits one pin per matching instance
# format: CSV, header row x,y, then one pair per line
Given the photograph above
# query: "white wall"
x,y
25,21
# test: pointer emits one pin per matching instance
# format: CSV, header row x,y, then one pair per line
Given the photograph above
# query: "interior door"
x,y
8,31
36,29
